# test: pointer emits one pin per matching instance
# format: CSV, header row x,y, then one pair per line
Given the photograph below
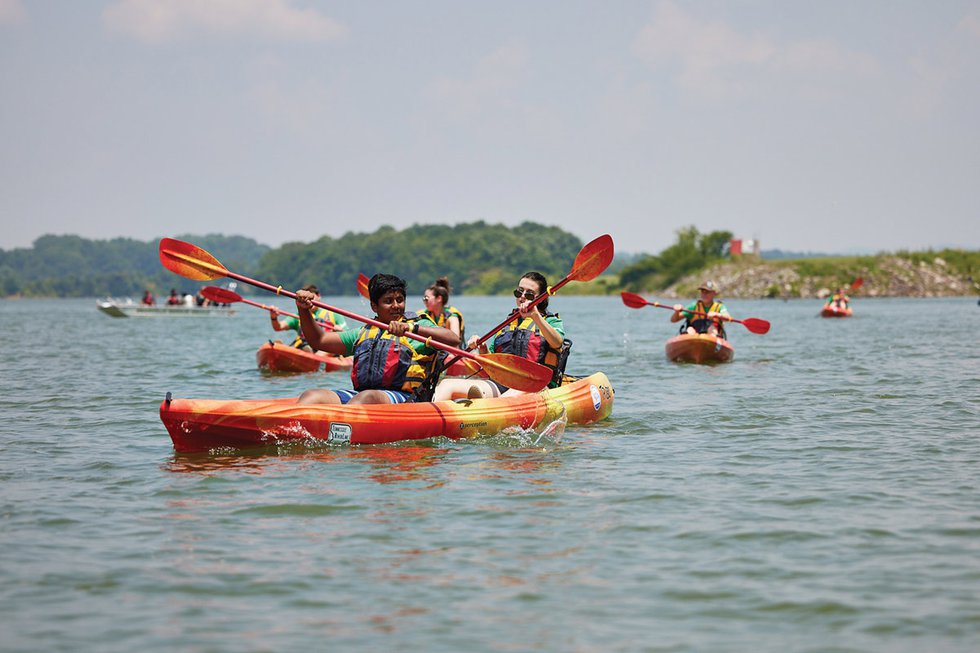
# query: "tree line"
x,y
478,258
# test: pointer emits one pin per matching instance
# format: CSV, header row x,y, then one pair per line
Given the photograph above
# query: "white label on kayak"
x,y
339,432
596,398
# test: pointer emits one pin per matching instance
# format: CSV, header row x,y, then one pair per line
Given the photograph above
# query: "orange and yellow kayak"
x,y
699,348
197,425
277,357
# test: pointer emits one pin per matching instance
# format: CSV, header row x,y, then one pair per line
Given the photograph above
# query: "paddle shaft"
x,y
753,324
590,262
354,316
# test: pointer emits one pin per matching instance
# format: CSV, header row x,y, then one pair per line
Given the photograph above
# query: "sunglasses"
x,y
527,294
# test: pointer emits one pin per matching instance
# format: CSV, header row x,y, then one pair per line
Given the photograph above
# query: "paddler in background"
x,y
839,299
388,366
706,315
319,314
437,308
534,333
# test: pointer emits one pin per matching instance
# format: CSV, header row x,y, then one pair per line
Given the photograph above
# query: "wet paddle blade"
x,y
189,260
857,283
362,286
593,259
220,295
632,300
755,325
515,372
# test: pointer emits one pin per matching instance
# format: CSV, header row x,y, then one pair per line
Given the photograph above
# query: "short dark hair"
x,y
312,288
384,283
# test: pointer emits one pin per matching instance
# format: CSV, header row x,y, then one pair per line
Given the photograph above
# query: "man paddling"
x,y
319,314
703,316
839,301
388,366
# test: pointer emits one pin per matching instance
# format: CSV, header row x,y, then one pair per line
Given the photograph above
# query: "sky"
x,y
832,126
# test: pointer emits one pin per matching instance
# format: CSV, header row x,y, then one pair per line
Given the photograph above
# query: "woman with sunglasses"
x,y
437,308
532,333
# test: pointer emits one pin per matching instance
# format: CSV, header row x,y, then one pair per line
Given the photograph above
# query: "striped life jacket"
x,y
320,315
443,320
523,338
384,362
700,321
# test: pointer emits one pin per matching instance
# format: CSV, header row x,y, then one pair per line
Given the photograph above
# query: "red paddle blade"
x,y
593,259
189,260
362,285
755,325
515,372
220,295
857,283
632,300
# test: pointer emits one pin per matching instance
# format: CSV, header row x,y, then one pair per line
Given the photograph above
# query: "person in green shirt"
x,y
705,315
388,366
533,333
328,318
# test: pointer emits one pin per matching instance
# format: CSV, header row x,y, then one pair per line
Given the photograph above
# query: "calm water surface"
x,y
820,493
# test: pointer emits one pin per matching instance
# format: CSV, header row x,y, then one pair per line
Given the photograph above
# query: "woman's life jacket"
x,y
442,320
523,338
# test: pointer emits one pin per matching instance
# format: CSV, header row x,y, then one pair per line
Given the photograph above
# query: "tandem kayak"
x,y
834,311
277,357
699,348
197,425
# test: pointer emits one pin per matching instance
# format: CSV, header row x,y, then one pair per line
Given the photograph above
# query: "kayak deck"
x,y
699,348
278,357
197,425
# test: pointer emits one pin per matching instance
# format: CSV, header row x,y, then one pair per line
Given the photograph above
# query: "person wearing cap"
x,y
706,315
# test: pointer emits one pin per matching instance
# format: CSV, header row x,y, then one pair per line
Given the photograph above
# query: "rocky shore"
x,y
884,276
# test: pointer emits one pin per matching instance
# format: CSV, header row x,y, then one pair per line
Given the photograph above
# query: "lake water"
x,y
819,493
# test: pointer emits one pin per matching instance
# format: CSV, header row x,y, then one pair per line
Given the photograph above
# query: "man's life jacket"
x,y
321,315
523,338
385,362
838,300
700,321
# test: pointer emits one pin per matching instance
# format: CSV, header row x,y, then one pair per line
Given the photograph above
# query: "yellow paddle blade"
x,y
189,260
515,372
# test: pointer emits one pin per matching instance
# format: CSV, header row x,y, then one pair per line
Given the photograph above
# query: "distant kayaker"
x,y
174,299
706,315
319,314
437,308
839,299
148,299
533,333
388,366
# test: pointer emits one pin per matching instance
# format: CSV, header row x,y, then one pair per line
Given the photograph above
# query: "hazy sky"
x,y
835,125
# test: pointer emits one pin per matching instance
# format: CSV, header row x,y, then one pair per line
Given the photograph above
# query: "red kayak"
x,y
205,424
277,357
834,311
699,348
